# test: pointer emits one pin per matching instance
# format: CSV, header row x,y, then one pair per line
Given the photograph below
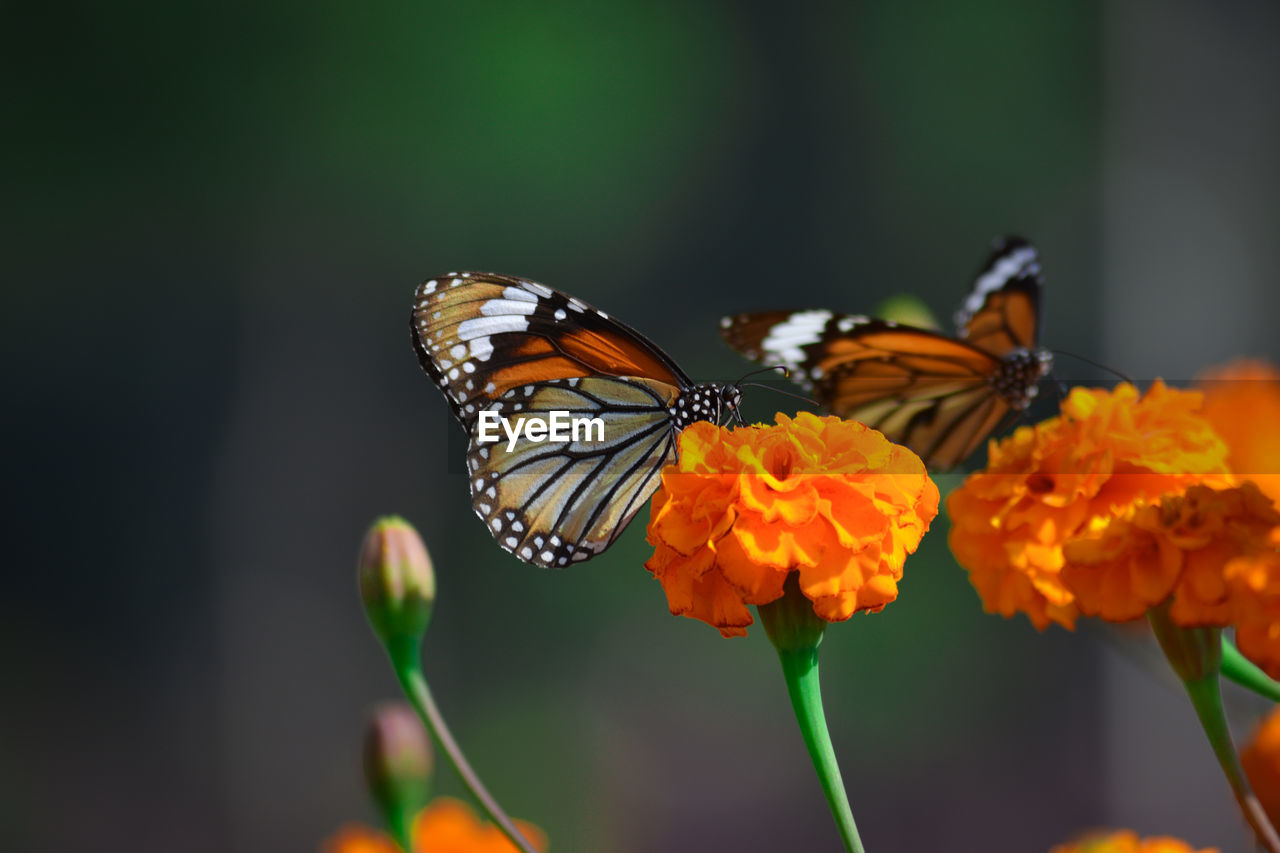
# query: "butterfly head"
x,y
731,402
1019,371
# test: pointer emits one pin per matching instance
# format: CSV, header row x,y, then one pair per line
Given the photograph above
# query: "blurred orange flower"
x,y
1127,841
1254,580
1242,401
445,826
1187,545
1105,455
1261,761
830,499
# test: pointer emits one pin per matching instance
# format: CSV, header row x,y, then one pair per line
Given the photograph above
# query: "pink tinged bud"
x,y
397,762
397,583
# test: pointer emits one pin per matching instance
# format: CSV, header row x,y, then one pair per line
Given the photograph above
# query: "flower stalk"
x,y
800,669
796,632
406,660
1196,656
1246,673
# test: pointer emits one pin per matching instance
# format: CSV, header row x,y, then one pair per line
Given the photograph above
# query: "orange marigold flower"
x,y
1242,401
1184,545
1254,580
831,499
1261,761
1127,841
1105,455
445,826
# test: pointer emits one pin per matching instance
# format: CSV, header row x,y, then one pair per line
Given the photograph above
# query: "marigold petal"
x,y
1260,759
1127,841
450,826
359,839
757,581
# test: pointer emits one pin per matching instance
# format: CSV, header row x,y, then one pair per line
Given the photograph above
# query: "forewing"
x,y
478,335
796,340
552,503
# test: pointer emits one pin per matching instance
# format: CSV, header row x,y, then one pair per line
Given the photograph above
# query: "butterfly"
x,y
502,346
941,396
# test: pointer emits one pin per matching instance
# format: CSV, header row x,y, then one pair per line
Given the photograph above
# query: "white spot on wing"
x,y
783,343
483,327
504,307
848,324
516,294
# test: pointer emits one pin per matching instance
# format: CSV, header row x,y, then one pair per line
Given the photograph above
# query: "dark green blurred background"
x,y
215,219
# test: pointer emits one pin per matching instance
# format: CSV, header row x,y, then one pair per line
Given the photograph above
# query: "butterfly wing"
x,y
478,335
938,395
505,347
1002,312
552,503
920,388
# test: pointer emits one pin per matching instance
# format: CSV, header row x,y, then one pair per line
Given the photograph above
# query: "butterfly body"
x,y
940,395
1019,371
506,348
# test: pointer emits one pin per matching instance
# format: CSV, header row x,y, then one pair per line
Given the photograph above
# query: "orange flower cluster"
x,y
1242,401
1115,506
1127,841
1261,762
830,499
1107,454
1199,546
445,826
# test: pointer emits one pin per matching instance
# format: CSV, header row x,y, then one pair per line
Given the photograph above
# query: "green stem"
x,y
407,662
1246,673
401,825
800,668
1206,697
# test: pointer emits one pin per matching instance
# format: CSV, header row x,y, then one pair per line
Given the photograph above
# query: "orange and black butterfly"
x,y
939,395
514,348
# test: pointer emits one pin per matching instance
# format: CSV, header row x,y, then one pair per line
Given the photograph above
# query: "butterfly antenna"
x,y
1096,364
782,391
786,374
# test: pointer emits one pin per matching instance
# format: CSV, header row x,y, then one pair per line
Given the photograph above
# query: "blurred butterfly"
x,y
518,349
941,396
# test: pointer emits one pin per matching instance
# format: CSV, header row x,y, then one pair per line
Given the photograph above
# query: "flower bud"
x,y
397,584
397,763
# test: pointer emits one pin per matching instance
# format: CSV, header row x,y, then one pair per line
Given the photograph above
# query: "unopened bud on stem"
x,y
397,584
